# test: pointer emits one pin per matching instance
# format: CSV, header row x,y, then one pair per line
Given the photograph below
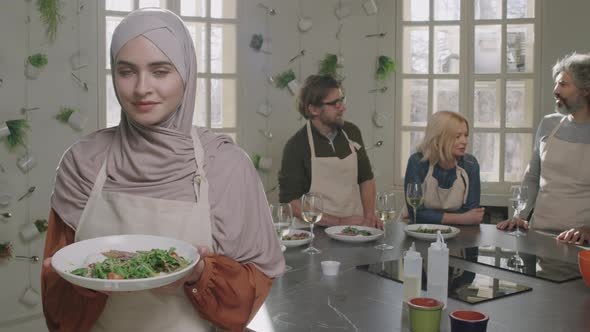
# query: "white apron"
x,y
563,201
109,213
449,199
337,180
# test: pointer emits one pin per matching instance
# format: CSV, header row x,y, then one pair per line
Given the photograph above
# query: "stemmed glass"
x,y
519,196
414,196
282,218
385,206
312,208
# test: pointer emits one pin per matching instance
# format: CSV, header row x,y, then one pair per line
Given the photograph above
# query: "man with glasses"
x,y
327,156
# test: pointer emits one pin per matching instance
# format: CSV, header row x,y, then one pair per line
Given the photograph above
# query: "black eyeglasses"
x,y
336,103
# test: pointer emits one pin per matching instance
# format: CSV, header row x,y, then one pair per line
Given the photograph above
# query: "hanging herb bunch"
x,y
17,130
64,114
256,160
41,225
329,66
282,80
6,250
50,15
385,66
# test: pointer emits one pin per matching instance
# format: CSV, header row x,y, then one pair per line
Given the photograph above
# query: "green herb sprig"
x,y
51,17
38,60
329,66
385,66
282,79
64,114
17,130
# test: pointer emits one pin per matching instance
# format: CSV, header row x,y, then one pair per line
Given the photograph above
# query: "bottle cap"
x,y
440,242
412,253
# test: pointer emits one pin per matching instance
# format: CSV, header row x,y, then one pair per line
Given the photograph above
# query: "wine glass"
x,y
282,218
311,210
385,206
519,196
414,196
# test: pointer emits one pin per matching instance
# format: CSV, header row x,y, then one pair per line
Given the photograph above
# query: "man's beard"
x,y
334,124
571,108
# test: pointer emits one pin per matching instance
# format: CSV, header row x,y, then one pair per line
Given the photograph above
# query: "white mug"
x,y
305,24
26,162
293,87
30,297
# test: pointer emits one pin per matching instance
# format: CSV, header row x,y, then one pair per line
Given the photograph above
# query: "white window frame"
x,y
206,75
467,78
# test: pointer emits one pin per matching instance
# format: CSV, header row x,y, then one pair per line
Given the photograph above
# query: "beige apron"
x,y
449,199
337,180
563,201
110,213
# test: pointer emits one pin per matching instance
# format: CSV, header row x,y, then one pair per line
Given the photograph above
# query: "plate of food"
x,y
354,233
125,262
428,231
295,238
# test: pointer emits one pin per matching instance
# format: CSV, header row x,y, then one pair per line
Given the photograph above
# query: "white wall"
x,y
563,30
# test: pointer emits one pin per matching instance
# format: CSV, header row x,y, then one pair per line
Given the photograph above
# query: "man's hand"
x,y
576,235
361,221
509,224
474,216
371,220
191,278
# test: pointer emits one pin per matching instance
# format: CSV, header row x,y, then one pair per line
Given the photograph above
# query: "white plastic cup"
x,y
29,232
342,12
26,163
330,268
30,297
4,131
304,24
32,72
370,7
79,60
5,199
265,163
264,109
293,87
77,121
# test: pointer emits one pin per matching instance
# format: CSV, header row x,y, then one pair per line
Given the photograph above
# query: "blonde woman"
x,y
449,176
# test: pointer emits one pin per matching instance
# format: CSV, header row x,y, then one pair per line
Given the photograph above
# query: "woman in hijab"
x,y
449,177
157,174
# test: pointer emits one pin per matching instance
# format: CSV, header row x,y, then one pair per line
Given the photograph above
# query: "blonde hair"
x,y
440,137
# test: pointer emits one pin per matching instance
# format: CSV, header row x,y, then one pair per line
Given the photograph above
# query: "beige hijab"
x,y
159,161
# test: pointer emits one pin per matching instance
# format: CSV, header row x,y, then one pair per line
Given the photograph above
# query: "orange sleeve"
x,y
66,307
229,293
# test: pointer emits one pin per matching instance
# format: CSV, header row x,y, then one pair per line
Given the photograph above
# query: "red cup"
x,y
468,321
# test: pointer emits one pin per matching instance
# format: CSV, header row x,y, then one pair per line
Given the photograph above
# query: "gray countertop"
x,y
303,299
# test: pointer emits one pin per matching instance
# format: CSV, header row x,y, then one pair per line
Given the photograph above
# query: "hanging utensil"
x,y
377,144
28,193
32,259
301,53
382,90
380,35
6,215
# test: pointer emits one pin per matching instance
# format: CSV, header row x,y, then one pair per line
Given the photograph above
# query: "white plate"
x,y
335,232
410,230
80,254
296,243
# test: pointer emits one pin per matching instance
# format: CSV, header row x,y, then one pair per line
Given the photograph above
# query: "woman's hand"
x,y
508,225
191,278
575,235
83,291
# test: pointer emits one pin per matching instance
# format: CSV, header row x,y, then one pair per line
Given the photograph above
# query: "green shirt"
x,y
295,173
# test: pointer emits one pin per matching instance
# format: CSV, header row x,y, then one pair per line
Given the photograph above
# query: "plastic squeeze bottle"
x,y
412,273
438,270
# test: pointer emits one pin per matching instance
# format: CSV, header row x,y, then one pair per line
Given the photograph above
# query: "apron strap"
x,y
200,175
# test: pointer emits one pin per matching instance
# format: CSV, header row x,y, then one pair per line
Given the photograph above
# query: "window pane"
x,y
415,57
488,41
223,103
446,49
519,104
447,10
193,8
113,107
152,3
198,32
518,153
119,5
416,10
111,23
485,104
446,95
200,116
486,148
415,102
410,141
223,9
488,9
519,48
223,48
520,8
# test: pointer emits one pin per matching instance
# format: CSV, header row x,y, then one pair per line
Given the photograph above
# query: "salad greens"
x,y
355,231
137,265
433,230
